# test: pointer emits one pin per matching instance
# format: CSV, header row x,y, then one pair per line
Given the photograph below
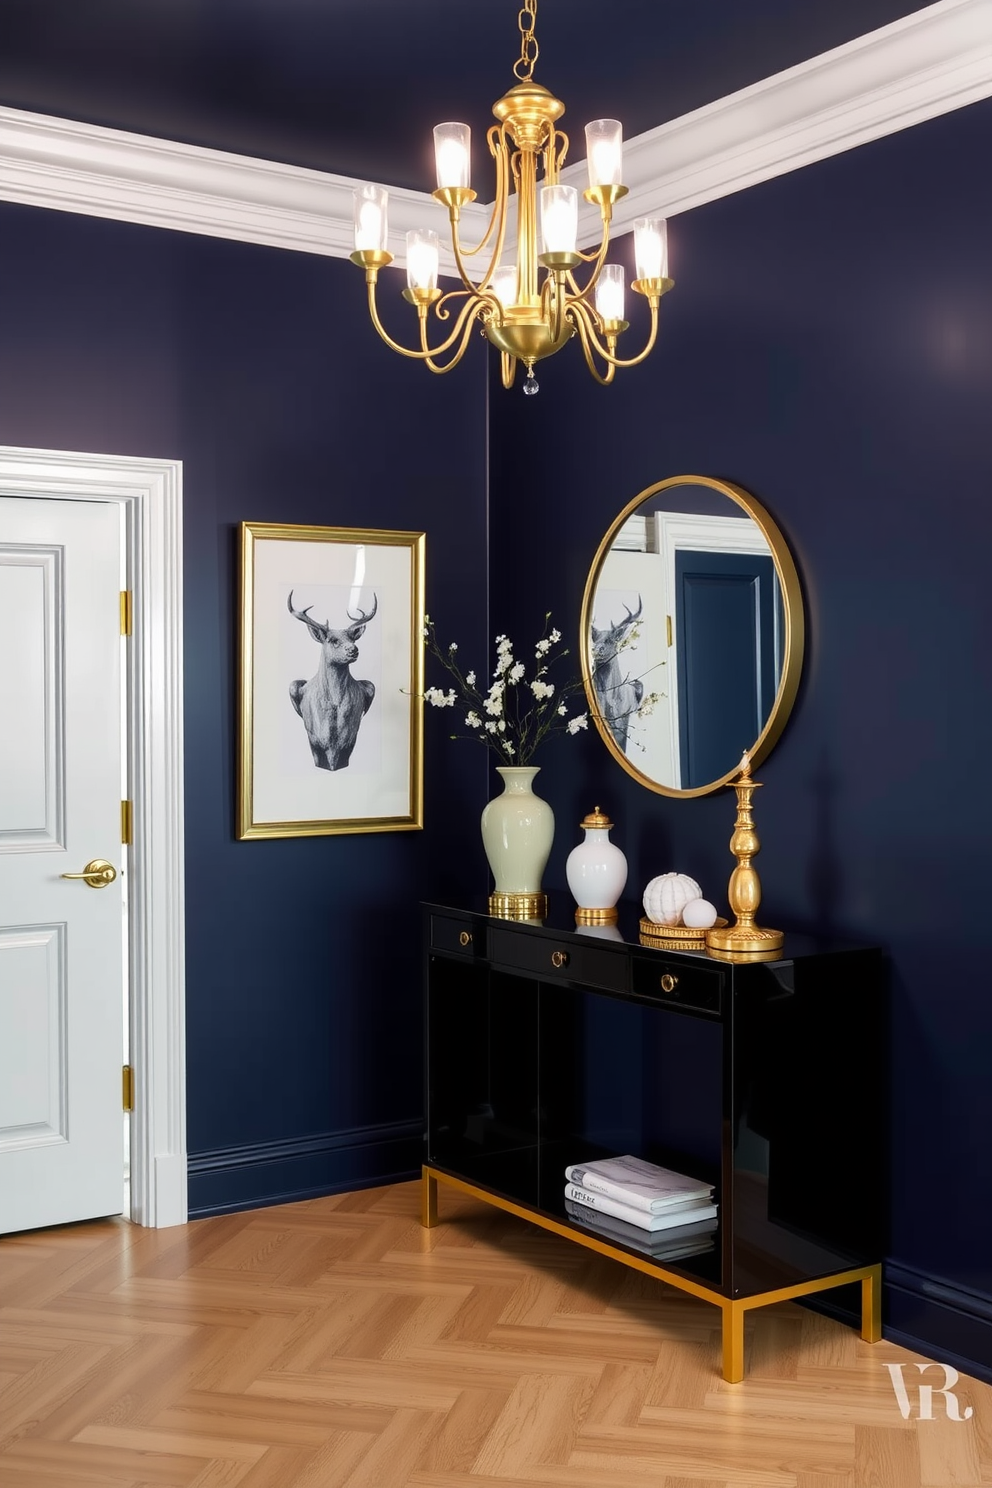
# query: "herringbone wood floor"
x,y
336,1344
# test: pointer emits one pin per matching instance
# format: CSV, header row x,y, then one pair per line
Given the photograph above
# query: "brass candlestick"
x,y
744,889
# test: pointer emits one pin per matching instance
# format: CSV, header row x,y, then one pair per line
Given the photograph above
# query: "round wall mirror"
x,y
691,634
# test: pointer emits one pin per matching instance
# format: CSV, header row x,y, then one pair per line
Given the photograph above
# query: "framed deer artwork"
x,y
331,686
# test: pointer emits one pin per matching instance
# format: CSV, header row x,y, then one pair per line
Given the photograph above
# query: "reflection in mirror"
x,y
692,634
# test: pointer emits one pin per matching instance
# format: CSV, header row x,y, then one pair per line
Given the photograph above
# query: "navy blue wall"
x,y
829,346
260,371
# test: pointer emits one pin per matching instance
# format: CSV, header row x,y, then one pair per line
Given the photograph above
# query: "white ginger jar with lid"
x,y
596,871
667,895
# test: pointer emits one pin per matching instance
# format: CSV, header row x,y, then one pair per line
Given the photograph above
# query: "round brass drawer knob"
x,y
465,938
559,959
669,982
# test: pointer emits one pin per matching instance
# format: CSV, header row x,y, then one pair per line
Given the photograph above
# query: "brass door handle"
x,y
669,982
559,959
98,873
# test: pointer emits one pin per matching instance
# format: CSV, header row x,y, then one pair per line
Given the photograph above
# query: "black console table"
x,y
549,1044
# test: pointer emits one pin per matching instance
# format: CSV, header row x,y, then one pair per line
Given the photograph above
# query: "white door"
x,y
61,940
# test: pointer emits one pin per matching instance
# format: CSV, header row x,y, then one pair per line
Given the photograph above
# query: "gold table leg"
x,y
871,1305
733,1342
428,1199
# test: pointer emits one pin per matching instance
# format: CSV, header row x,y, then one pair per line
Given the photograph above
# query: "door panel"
x,y
34,1070
31,739
727,675
61,942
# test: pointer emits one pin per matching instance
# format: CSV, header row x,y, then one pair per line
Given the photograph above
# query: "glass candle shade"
x,y
604,151
609,292
504,284
371,229
453,154
651,247
559,218
421,259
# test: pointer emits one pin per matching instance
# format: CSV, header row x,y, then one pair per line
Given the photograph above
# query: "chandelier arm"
x,y
648,348
604,351
553,305
508,367
484,298
597,258
473,304
499,208
456,357
425,352
554,158
497,149
418,356
579,317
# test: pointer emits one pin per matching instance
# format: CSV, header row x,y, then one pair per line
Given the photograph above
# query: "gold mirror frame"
x,y
794,629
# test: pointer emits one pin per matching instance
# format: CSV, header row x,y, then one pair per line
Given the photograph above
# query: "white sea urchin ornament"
x,y
665,897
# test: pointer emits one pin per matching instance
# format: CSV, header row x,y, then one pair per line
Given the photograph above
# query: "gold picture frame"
x,y
331,732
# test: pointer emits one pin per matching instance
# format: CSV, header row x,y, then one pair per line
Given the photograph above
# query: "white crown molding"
x,y
49,162
925,64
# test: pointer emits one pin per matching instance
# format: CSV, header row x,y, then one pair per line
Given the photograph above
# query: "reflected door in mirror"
x,y
729,658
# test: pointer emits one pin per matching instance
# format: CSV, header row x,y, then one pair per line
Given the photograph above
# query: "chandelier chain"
x,y
523,68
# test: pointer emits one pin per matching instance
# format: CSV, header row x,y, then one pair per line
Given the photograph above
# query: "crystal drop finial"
x,y
531,386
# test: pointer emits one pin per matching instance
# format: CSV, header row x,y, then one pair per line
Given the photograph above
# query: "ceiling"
x,y
354,86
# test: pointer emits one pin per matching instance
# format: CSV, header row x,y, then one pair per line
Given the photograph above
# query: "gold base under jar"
x,y
597,916
519,906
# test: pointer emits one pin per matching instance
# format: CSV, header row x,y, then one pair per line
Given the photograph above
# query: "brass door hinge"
x,y
668,628
127,1087
126,823
127,608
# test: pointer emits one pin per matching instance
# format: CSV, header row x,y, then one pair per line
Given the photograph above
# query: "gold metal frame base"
x,y
733,1308
519,906
596,916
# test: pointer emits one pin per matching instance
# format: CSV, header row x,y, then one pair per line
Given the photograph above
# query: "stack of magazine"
x,y
665,1214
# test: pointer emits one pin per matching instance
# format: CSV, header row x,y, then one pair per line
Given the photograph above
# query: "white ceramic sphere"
x,y
699,914
665,896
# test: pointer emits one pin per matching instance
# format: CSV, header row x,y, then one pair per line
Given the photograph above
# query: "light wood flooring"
x,y
336,1344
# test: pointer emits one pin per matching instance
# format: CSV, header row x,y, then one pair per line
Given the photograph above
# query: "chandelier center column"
x,y
527,228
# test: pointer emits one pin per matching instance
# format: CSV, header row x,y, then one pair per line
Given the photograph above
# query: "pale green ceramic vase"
x,y
518,829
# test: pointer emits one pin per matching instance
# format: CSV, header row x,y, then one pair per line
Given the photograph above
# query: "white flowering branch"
x,y
515,712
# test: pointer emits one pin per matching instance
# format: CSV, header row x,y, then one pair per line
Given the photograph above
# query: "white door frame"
x,y
150,491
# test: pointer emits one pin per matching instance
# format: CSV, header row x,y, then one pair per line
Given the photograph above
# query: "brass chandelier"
x,y
526,316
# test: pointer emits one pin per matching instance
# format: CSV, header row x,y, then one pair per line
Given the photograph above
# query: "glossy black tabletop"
x,y
560,921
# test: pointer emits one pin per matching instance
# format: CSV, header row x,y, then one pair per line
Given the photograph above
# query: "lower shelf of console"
x,y
698,1275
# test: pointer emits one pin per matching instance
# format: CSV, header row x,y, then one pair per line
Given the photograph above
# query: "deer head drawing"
x,y
333,703
619,696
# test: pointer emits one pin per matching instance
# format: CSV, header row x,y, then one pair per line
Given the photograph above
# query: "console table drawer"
x,y
698,989
453,933
559,960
